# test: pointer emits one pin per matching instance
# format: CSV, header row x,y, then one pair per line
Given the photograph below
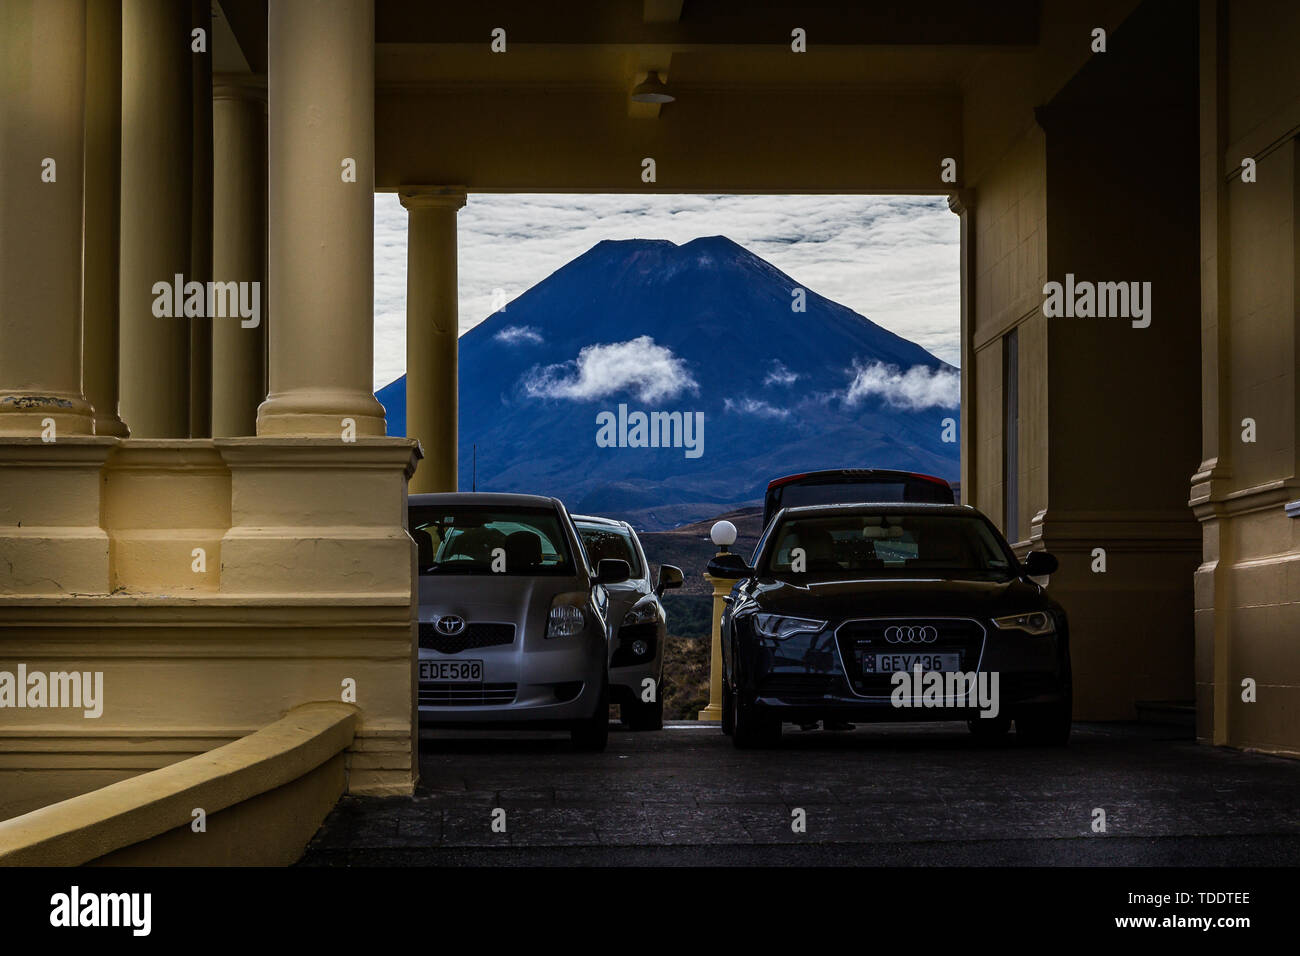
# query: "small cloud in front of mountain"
x,y
753,406
519,335
780,375
917,388
651,372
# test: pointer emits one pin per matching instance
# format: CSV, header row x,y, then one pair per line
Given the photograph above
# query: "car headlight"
x,y
1031,622
647,612
779,628
565,620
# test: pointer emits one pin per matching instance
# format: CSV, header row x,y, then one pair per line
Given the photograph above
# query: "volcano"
x,y
667,383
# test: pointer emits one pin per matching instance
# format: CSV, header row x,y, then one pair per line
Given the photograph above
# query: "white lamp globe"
x,y
723,534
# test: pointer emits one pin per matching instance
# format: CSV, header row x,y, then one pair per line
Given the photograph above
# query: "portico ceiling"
x,y
874,105
714,22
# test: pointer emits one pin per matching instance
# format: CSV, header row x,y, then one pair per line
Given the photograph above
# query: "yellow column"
x,y
1216,623
321,145
962,202
721,588
432,330
42,69
201,223
239,250
103,154
51,542
157,150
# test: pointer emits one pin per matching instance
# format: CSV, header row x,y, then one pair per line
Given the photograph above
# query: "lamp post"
x,y
723,534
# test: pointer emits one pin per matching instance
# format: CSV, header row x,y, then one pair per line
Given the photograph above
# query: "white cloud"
x,y
752,406
919,387
518,334
780,375
651,372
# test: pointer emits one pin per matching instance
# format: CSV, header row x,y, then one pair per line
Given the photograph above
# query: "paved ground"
x,y
901,794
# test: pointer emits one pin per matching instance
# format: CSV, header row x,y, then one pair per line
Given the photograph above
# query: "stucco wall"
x,y
1107,422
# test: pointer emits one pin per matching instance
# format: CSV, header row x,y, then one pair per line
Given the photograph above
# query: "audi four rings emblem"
x,y
911,635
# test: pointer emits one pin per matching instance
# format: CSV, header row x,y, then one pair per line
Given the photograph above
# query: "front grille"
x,y
856,638
476,634
465,695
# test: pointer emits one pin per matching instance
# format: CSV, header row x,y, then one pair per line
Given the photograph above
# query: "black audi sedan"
x,y
883,611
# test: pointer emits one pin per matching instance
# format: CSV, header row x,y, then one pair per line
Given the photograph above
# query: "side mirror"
x,y
728,565
612,571
669,577
1039,564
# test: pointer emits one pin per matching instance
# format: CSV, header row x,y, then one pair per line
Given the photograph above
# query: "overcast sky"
x,y
894,259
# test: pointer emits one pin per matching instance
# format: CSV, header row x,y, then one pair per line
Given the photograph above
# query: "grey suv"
x,y
512,619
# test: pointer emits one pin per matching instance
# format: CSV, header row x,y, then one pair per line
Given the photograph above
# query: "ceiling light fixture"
x,y
652,90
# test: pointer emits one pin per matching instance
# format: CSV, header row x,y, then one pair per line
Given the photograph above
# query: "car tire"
x,y
1045,725
728,713
989,728
752,726
592,735
639,715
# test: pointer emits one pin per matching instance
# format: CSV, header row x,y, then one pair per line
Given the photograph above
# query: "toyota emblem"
x,y
925,634
451,625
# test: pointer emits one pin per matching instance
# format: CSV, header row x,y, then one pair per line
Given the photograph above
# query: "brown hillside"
x,y
690,549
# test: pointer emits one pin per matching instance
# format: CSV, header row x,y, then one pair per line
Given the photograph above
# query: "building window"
x,y
1011,435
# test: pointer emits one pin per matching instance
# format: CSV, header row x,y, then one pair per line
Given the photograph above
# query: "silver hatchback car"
x,y
637,621
512,620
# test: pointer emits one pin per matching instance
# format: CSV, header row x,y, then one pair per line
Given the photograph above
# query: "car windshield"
x,y
886,545
605,541
471,539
